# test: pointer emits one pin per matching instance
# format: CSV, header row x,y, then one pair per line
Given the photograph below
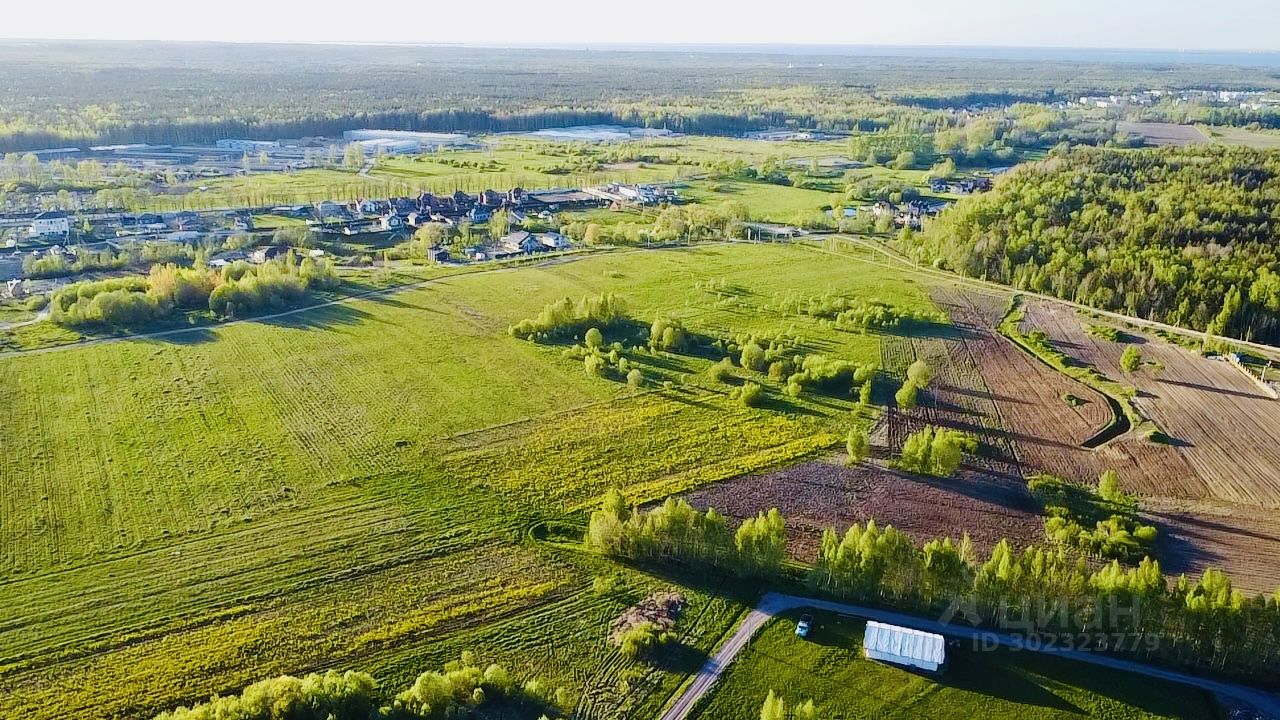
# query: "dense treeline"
x,y
199,93
462,690
1134,610
1186,236
676,531
239,288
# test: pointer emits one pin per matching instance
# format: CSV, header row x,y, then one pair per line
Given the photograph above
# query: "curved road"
x,y
773,603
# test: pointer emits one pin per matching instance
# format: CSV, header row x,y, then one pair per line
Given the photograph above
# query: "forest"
x,y
1183,236
57,94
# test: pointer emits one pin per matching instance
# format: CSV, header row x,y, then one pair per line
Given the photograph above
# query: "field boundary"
x,y
1123,412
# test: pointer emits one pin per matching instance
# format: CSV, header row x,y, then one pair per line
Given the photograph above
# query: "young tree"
x,y
774,708
593,339
1131,359
635,378
864,394
353,156
857,445
499,224
919,373
906,395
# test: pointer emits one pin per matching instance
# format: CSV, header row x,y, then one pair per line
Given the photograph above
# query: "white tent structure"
x,y
904,646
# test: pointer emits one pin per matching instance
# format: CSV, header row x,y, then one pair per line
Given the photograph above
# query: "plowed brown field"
x,y
824,493
1224,429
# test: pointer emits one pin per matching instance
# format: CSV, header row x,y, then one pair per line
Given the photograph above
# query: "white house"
x,y
904,646
54,222
554,241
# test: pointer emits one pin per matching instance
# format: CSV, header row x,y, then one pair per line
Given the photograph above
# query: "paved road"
x,y
773,603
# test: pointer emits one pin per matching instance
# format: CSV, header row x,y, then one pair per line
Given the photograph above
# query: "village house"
x,y
519,242
554,241
53,223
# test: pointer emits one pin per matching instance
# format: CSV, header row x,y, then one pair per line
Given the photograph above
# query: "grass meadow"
x,y
829,669
353,486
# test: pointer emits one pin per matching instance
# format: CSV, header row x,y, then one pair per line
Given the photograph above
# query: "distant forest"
x,y
1188,236
65,93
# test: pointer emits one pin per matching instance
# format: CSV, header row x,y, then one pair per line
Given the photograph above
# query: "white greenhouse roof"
x,y
904,643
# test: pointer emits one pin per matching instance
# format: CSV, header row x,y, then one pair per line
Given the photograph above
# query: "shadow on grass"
x,y
995,675
680,658
320,318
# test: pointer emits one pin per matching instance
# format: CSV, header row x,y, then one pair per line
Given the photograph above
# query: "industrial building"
x,y
247,145
387,146
422,141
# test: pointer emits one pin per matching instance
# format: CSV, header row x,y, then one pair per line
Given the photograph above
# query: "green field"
x,y
829,669
503,162
1260,139
352,486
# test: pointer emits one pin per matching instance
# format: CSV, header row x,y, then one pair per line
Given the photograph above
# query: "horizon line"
x,y
657,46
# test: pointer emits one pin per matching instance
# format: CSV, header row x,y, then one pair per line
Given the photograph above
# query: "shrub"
x,y
1102,522
753,357
935,451
643,639
750,394
667,335
857,445
635,378
722,371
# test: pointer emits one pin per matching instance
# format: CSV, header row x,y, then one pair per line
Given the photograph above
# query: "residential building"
x,y
51,223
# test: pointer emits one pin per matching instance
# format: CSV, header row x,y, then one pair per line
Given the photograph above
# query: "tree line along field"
x,y
828,668
352,485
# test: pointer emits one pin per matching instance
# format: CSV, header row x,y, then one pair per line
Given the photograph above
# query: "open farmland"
x,y
1158,133
828,668
1049,416
820,494
1218,421
350,486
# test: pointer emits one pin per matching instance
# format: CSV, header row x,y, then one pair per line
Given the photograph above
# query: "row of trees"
x,y
564,318
1203,622
676,531
462,689
239,288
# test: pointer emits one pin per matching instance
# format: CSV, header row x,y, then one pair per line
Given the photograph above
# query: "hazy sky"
x,y
1165,24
